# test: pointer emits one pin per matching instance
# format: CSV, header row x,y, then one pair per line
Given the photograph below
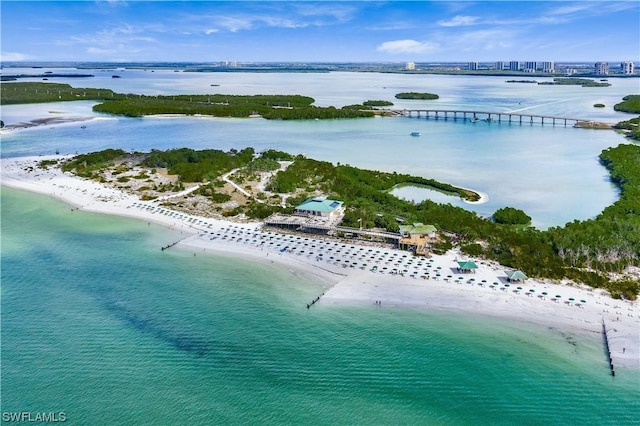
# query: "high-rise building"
x,y
514,66
499,65
548,66
410,66
627,67
473,66
530,66
601,68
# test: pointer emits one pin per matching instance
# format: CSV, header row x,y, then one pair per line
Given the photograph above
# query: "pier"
x,y
490,116
606,346
169,245
314,301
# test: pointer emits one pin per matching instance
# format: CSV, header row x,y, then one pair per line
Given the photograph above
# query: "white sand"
x,y
355,284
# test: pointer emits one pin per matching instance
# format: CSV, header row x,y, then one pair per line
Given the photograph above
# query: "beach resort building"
x,y
499,66
548,67
514,66
627,68
473,66
320,206
418,237
410,66
601,68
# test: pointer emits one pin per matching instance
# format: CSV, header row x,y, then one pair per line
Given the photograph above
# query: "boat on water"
x,y
415,133
474,119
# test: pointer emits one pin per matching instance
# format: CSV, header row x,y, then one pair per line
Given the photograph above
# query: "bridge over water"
x,y
510,117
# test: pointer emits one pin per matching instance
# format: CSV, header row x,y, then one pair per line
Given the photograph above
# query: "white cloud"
x,y
459,21
209,31
12,56
407,46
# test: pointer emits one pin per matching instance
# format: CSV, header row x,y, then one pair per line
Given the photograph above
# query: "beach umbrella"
x,y
519,288
532,290
507,285
583,301
571,299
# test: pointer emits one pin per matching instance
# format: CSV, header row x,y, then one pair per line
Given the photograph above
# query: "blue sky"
x,y
321,31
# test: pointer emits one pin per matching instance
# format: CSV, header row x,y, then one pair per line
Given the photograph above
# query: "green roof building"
x,y
319,206
417,229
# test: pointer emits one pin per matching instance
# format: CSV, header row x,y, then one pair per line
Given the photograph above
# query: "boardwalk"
x,y
510,117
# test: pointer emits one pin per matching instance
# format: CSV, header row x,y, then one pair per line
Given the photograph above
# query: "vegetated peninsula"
x,y
601,252
630,104
284,107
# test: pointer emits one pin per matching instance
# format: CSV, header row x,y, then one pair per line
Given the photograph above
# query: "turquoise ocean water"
x,y
98,323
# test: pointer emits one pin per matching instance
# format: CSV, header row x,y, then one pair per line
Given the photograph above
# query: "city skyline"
x,y
329,31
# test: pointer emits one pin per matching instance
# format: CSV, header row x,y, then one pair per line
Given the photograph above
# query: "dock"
x,y
607,349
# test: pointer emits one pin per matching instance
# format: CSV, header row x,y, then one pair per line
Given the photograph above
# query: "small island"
x,y
569,81
416,95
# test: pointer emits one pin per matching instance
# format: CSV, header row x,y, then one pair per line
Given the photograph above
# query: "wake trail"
x,y
538,106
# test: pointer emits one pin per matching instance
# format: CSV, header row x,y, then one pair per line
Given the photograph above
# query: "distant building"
x,y
410,66
320,206
601,68
627,67
499,66
548,67
514,66
530,66
473,66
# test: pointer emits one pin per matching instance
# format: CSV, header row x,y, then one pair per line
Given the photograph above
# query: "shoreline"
x,y
356,273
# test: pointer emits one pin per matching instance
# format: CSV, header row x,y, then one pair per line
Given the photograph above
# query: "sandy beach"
x,y
359,274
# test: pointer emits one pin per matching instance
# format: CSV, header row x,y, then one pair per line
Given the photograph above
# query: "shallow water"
x,y
99,323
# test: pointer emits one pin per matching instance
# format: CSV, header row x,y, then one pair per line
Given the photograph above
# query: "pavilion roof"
x,y
467,264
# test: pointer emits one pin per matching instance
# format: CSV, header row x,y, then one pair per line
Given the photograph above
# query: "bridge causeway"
x,y
510,117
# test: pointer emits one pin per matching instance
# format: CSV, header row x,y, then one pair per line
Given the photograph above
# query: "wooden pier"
x,y
491,116
314,301
169,245
608,350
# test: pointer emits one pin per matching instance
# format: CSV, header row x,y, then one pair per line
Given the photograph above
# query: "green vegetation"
x,y
274,107
630,103
344,179
598,105
632,128
273,154
86,164
377,103
29,93
416,95
571,81
289,107
198,166
511,216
